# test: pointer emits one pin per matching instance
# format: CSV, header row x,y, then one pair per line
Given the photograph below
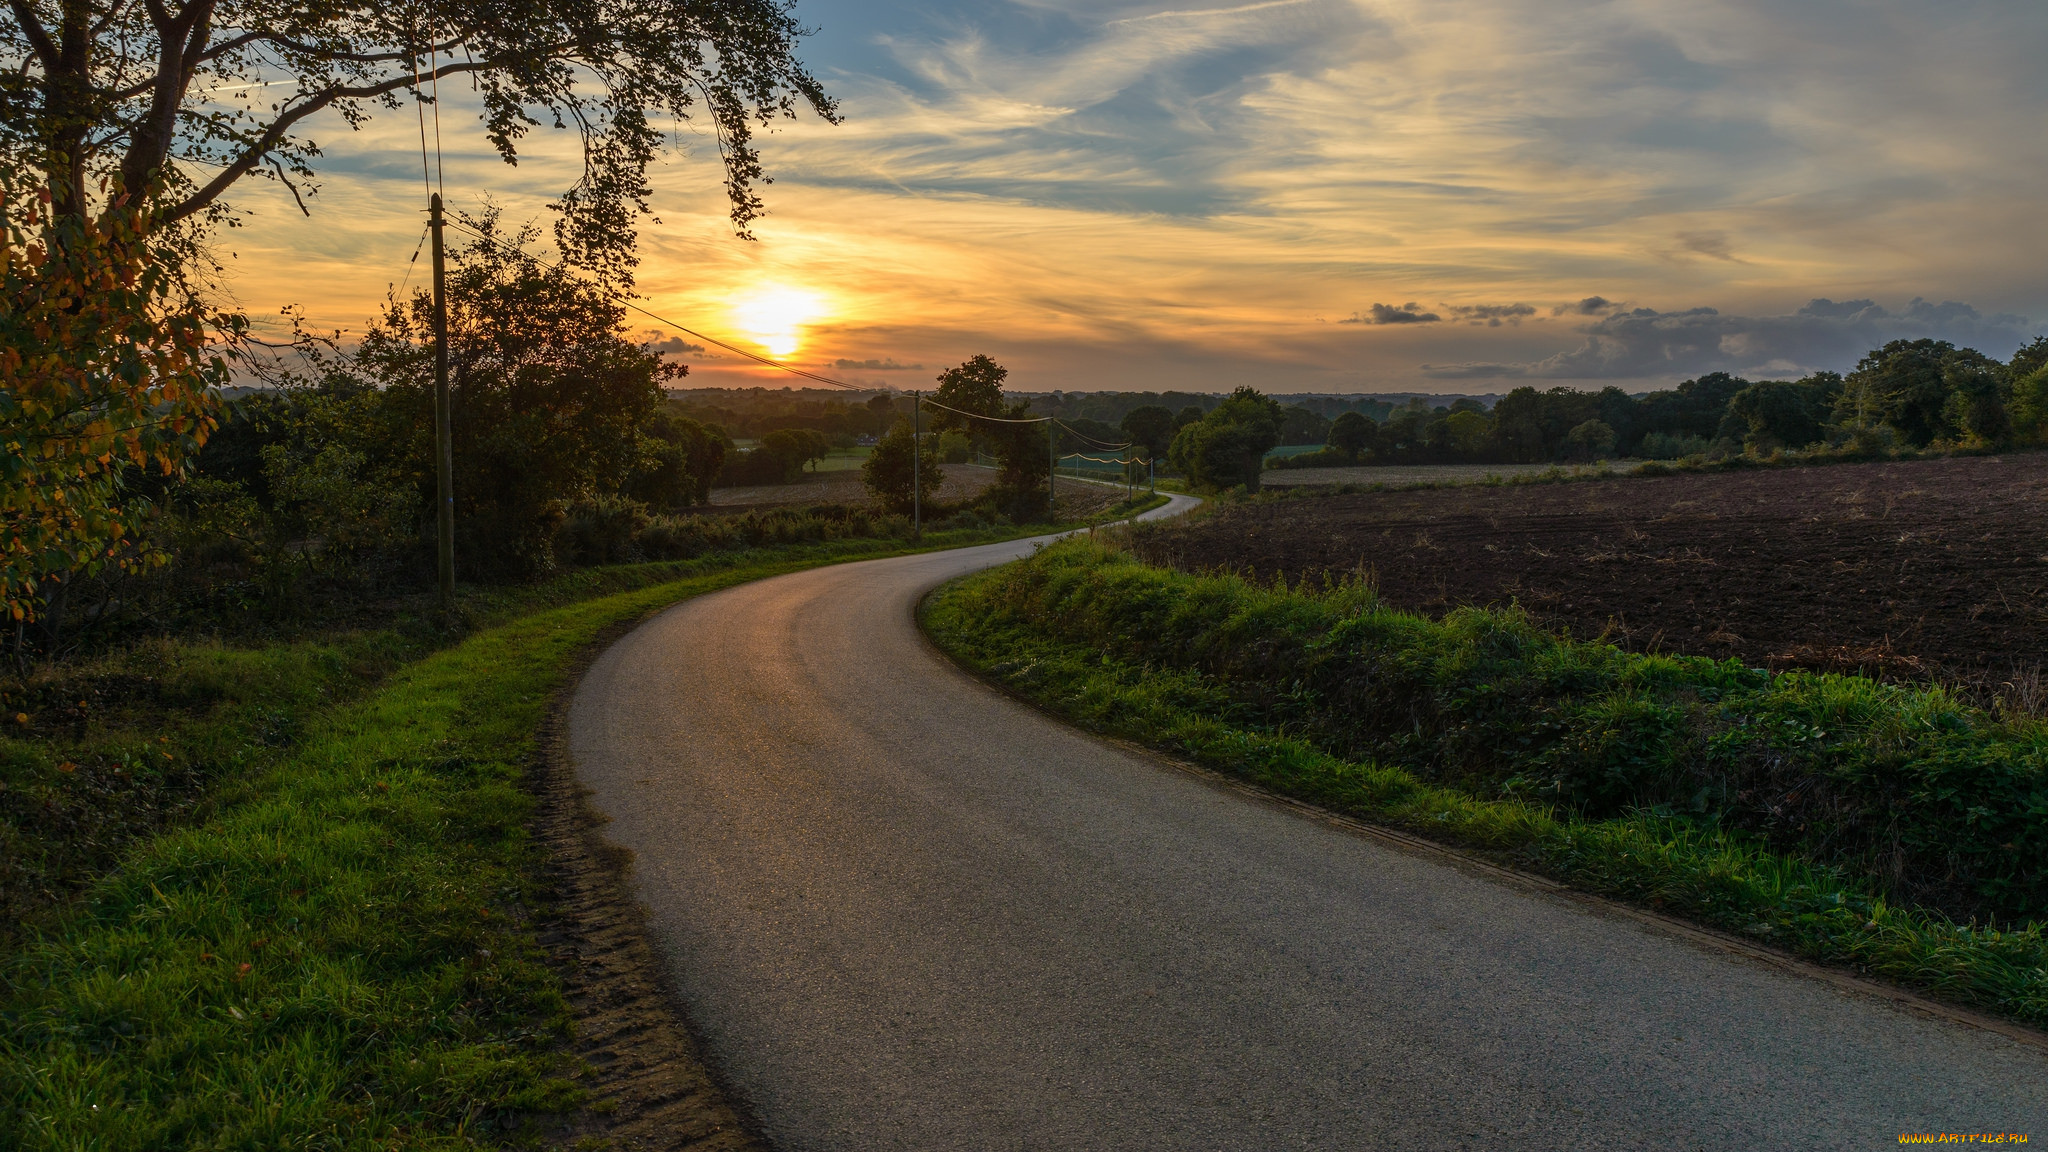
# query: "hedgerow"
x,y
1909,789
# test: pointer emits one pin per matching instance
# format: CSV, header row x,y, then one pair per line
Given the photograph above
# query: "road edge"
x,y
637,1054
1709,939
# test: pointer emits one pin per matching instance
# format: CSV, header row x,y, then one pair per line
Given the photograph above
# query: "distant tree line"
x,y
1908,394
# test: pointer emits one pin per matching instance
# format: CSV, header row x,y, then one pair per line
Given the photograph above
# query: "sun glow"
x,y
775,316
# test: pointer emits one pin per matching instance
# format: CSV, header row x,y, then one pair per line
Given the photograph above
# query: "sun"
x,y
775,317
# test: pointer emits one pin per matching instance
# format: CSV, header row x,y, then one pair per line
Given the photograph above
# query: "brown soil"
x,y
632,1051
1908,570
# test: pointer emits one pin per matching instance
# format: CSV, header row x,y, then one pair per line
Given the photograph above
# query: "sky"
x,y
1304,195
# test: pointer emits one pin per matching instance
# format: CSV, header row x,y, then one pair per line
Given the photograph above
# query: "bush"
x,y
604,530
1228,446
1919,794
1667,446
889,470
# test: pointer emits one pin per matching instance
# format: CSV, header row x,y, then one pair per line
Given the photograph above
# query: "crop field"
x,y
1930,569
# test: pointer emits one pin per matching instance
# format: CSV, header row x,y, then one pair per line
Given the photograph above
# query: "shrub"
x,y
1669,446
1921,795
603,530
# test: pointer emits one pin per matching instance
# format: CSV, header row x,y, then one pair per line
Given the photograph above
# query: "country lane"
x,y
904,911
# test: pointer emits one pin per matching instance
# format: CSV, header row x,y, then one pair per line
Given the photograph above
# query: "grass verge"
x,y
343,955
1489,726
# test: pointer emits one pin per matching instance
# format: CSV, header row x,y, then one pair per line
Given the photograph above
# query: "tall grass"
x,y
341,954
1803,810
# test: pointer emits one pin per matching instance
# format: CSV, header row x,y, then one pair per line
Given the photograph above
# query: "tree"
x,y
679,460
179,101
547,391
796,448
1786,414
888,472
976,387
1590,440
1149,428
1351,433
1908,385
105,374
2028,410
1298,425
1228,447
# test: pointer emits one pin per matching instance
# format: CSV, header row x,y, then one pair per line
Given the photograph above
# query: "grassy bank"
x,y
336,947
1830,815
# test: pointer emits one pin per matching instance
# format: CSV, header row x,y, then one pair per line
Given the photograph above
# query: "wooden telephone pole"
x,y
444,454
916,450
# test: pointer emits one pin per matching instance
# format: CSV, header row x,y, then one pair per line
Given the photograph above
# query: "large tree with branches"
x,y
124,124
174,103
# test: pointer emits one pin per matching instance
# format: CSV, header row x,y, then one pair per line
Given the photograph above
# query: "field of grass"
x,y
1626,775
332,943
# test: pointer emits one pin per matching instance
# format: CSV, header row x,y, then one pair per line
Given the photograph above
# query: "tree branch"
x,y
38,36
256,152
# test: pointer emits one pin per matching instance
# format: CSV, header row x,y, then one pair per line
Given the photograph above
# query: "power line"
x,y
808,375
991,419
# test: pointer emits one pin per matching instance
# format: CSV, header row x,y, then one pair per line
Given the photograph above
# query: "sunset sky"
x,y
1309,195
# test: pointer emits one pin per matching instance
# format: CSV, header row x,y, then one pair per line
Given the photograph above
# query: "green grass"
x,y
342,953
1499,739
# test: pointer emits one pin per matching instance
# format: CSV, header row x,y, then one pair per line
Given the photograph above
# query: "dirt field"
x,y
1399,474
1907,570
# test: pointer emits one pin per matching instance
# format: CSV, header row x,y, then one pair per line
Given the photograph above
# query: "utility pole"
x,y
916,450
1151,477
1052,449
444,453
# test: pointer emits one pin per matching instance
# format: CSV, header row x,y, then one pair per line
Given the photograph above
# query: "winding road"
x,y
904,911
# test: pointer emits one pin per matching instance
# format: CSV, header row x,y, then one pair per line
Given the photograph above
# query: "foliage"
x,y
1785,414
1150,429
344,955
892,476
1591,440
1229,445
544,389
976,387
678,460
1175,661
1926,390
2029,411
1819,766
105,374
128,95
954,448
1665,446
1351,433
797,447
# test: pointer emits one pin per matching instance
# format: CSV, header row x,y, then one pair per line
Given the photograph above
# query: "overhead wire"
x,y
737,351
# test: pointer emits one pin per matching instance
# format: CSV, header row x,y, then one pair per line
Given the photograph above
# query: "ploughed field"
x,y
1905,570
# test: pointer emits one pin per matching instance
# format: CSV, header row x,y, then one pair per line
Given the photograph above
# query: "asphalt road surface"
x,y
906,912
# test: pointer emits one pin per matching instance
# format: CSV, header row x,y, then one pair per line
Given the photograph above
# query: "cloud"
x,y
1491,315
887,365
1590,306
1712,244
677,345
1409,313
1643,343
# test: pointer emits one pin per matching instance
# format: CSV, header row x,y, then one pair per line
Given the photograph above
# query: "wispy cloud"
x,y
1099,189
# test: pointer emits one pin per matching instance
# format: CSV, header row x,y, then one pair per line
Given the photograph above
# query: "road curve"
x,y
904,911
